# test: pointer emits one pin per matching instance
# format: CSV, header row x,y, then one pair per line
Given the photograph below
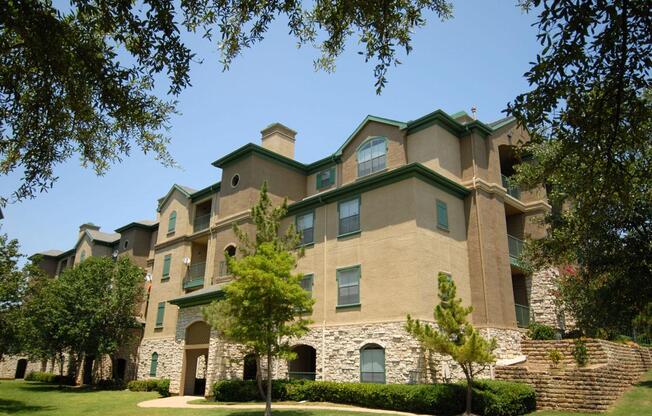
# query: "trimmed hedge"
x,y
490,397
162,386
50,378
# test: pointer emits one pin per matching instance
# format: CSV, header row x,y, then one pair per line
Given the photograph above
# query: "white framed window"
x,y
372,156
306,227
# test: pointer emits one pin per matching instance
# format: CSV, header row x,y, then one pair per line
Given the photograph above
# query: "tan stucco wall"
x,y
437,149
396,152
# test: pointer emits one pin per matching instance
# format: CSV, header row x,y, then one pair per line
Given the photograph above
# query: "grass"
x,y
37,399
636,401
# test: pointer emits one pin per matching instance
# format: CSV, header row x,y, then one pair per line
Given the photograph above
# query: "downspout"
x,y
323,326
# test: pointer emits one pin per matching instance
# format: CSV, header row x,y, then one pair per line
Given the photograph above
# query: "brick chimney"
x,y
279,138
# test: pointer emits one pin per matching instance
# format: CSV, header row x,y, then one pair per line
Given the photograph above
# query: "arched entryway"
x,y
304,367
195,360
21,367
250,369
87,377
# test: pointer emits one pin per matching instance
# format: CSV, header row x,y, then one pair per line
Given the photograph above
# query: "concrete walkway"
x,y
182,402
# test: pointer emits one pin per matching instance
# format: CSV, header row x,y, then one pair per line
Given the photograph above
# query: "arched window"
x,y
372,364
372,156
153,365
172,222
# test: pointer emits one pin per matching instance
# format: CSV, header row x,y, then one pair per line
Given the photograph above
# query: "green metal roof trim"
x,y
399,124
413,170
250,148
449,123
183,189
200,297
137,224
502,122
436,117
209,190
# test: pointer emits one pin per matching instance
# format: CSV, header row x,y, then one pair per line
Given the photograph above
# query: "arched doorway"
x,y
21,367
304,367
250,369
87,377
195,360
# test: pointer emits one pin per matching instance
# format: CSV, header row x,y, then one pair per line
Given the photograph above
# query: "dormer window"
x,y
325,178
372,156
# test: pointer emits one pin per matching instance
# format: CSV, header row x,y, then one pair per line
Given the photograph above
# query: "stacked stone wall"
x,y
612,368
9,364
337,353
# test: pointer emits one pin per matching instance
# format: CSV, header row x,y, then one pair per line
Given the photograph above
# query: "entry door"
x,y
21,367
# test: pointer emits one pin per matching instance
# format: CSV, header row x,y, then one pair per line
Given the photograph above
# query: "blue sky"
x,y
476,58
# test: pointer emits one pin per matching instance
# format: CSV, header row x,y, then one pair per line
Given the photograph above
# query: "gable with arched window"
x,y
172,222
372,364
372,156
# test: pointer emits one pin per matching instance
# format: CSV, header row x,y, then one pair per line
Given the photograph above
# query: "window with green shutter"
x,y
153,364
167,261
325,178
160,313
172,222
372,364
442,215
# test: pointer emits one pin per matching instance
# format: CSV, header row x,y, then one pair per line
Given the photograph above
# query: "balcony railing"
x,y
301,375
512,189
201,222
515,246
195,277
522,315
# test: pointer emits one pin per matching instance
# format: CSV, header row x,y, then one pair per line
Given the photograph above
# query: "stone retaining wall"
x,y
612,368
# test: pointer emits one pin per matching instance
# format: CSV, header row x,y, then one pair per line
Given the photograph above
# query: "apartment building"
x,y
396,204
135,240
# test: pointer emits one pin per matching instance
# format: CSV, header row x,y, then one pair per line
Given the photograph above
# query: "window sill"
x,y
165,279
441,227
359,178
347,235
170,233
352,305
307,245
158,327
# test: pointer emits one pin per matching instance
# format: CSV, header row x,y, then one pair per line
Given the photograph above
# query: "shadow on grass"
x,y
43,388
646,383
15,406
274,412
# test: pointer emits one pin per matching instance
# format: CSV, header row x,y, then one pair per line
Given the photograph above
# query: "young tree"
x,y
264,306
66,90
454,335
589,113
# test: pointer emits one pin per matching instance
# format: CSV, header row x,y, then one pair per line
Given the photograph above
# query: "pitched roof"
x,y
51,253
185,191
102,236
199,297
147,224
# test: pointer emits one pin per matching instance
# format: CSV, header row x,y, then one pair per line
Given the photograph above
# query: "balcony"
x,y
512,190
515,249
522,315
201,222
195,276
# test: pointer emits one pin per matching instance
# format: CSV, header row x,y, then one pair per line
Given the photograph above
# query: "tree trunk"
x,y
268,404
259,378
468,373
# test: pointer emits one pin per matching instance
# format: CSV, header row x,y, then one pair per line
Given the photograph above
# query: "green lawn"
x,y
31,398
635,402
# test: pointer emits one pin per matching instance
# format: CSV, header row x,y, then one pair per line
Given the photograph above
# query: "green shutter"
x,y
153,365
442,215
172,222
322,184
160,314
167,260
